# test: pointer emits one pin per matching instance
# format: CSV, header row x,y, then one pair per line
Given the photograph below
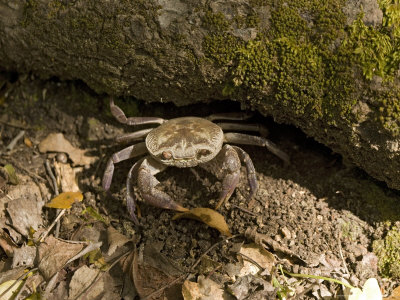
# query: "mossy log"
x,y
330,68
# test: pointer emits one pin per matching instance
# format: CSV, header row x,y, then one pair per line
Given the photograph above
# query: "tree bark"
x,y
327,67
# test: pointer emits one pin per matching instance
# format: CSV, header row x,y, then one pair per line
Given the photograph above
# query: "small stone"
x,y
62,158
286,233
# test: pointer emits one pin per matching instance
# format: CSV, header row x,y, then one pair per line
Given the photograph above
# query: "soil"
x,y
318,207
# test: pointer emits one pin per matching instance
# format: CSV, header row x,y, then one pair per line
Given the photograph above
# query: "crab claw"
x,y
147,183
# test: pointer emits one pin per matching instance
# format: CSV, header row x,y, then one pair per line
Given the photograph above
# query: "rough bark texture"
x,y
324,66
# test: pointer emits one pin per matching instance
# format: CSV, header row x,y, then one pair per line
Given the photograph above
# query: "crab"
x,y
186,142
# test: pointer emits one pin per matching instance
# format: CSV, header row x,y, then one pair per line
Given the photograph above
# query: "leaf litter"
x,y
56,142
185,258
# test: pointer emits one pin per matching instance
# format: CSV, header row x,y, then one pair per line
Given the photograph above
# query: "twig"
x,y
213,271
184,276
251,260
245,210
165,287
211,248
89,248
52,177
21,168
318,277
341,255
15,125
55,188
15,140
52,225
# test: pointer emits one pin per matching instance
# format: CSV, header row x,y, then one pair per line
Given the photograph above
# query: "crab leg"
x,y
233,116
147,183
130,196
251,171
132,136
226,167
120,116
124,154
246,139
261,129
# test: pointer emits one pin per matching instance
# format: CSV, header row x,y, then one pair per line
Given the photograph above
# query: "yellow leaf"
x,y
207,216
12,176
65,200
28,142
12,290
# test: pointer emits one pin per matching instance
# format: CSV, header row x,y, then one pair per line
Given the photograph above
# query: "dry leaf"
x,y
24,257
82,279
258,254
53,254
149,278
7,244
208,216
115,239
66,176
27,191
395,294
204,289
56,142
207,265
26,213
65,200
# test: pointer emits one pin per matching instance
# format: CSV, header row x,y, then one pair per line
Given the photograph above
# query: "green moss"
x,y
287,22
252,21
300,77
388,113
221,47
254,66
248,21
372,49
215,21
291,61
388,252
307,59
391,16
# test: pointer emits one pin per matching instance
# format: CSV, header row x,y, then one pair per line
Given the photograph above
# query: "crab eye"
x,y
203,152
167,155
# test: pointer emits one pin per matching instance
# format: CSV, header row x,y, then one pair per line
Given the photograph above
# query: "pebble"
x,y
62,157
286,233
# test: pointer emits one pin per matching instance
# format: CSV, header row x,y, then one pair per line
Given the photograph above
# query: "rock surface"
x,y
328,67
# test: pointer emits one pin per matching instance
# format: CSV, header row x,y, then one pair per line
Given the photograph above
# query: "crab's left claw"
x,y
147,183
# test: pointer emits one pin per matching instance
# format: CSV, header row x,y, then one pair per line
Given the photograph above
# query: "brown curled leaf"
x,y
65,200
208,216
